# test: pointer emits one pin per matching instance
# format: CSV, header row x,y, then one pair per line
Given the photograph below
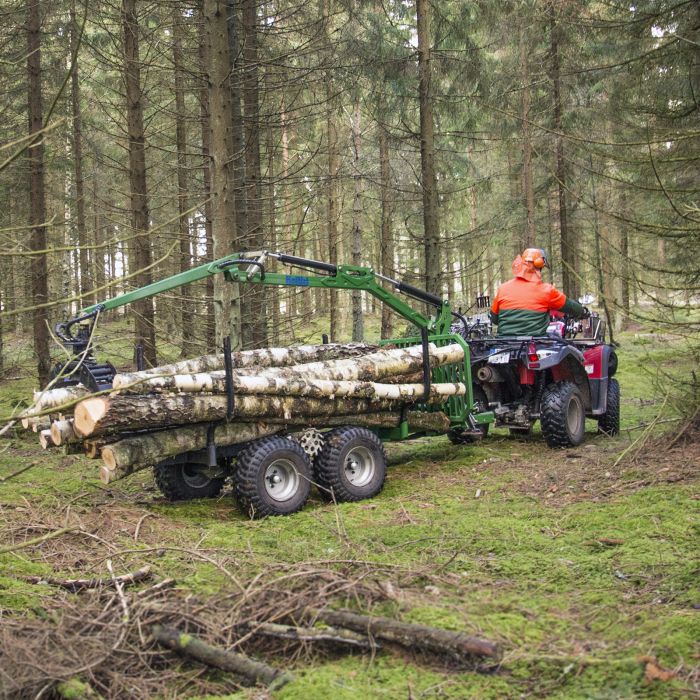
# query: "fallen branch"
x,y
80,584
456,645
336,635
189,646
37,540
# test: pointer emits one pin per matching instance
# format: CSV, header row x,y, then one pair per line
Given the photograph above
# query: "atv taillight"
x,y
532,352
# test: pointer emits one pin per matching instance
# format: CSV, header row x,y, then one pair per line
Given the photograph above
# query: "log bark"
x,y
194,648
456,645
418,421
138,452
335,635
266,357
54,398
103,415
62,432
80,584
215,382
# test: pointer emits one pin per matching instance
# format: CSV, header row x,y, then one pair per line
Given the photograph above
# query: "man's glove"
x,y
586,313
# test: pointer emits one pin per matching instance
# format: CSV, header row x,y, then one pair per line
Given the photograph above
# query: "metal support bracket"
x,y
228,368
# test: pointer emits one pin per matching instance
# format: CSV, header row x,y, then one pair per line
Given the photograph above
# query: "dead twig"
x,y
37,540
76,585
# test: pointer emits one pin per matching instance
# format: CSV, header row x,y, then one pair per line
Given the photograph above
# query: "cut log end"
x,y
87,414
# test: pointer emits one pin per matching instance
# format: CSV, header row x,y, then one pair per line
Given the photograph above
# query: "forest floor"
x,y
583,564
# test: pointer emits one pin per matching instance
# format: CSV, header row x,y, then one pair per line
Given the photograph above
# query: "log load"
x,y
265,357
171,410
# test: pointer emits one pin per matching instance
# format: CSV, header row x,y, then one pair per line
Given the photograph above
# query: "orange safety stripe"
x,y
530,296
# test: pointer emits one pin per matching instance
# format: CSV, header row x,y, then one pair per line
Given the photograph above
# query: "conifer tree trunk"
x,y
77,143
357,316
144,328
186,319
253,316
210,324
528,240
386,236
227,312
37,196
431,222
569,266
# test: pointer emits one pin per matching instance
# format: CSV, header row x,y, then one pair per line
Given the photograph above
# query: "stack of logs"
x,y
169,410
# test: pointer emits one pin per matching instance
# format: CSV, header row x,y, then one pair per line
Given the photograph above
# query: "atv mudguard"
x,y
597,363
568,366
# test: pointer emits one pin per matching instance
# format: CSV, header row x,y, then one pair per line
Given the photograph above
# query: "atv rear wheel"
x,y
273,477
457,436
184,482
562,415
609,422
351,465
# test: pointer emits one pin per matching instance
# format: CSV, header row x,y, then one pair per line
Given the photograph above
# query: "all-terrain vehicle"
x,y
559,379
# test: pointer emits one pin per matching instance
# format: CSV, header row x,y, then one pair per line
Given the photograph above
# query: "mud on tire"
x,y
609,422
184,482
273,477
562,415
351,465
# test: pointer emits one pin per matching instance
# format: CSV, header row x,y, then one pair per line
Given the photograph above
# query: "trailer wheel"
x,y
562,415
457,436
184,482
351,465
273,477
609,422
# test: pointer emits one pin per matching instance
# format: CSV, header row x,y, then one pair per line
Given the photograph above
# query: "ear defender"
x,y
536,256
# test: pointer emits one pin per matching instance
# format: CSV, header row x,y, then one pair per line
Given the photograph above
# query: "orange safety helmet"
x,y
536,256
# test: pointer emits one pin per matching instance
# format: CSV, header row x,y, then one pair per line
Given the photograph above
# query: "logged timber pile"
x,y
157,414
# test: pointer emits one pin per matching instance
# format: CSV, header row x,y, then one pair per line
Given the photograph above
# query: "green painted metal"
x,y
350,277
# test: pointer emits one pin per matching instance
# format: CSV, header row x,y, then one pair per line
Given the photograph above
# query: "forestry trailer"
x,y
431,393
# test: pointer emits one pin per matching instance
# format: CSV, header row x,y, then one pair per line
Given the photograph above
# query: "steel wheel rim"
x,y
281,480
193,477
573,416
360,466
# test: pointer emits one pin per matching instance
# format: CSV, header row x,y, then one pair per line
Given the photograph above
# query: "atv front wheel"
x,y
609,422
351,465
273,477
184,482
562,415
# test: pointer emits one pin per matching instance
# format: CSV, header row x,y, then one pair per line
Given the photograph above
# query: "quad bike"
x,y
559,379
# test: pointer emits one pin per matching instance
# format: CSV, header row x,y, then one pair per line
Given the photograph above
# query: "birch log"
x,y
53,398
434,421
62,432
45,439
215,382
266,357
101,414
139,452
371,367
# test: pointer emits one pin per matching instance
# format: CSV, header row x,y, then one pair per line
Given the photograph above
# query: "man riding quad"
x,y
523,305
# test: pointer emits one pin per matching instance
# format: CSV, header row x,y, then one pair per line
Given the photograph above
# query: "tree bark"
x,y
62,398
431,222
192,647
186,321
455,645
62,432
253,325
265,357
227,310
144,315
387,236
37,195
569,265
334,635
77,142
101,415
527,177
215,382
358,331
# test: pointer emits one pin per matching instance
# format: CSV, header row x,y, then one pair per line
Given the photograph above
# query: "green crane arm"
x,y
249,268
